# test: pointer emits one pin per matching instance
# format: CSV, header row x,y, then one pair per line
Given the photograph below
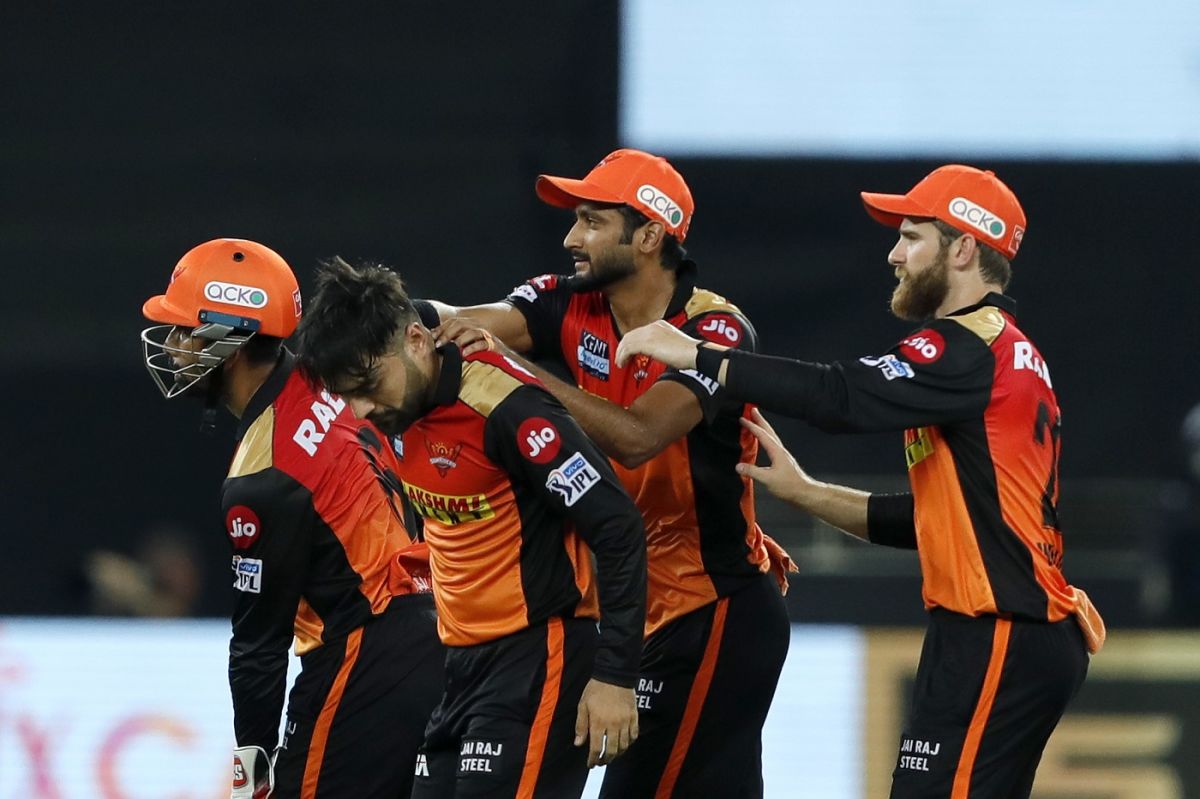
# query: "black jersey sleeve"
x,y
427,313
940,374
890,520
579,484
269,566
727,329
543,301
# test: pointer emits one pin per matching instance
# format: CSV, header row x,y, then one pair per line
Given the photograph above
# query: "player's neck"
x,y
964,296
433,373
642,297
242,382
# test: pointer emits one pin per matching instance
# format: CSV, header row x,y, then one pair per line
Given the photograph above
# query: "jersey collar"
x,y
267,392
450,377
993,298
685,284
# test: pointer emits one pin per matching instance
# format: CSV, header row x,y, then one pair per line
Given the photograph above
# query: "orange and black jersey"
x,y
511,490
311,509
701,535
982,433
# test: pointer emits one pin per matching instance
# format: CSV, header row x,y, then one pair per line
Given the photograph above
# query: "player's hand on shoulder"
x,y
662,341
466,334
607,721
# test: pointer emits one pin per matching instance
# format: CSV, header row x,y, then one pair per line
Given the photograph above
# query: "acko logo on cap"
x,y
661,204
977,217
232,293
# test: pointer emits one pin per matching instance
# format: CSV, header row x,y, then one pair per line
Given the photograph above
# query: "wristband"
x,y
709,360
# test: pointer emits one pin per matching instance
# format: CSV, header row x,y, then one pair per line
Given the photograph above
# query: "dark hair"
x,y
351,322
672,254
993,266
262,350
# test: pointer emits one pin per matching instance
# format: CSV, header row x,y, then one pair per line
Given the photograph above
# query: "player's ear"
x,y
650,237
417,338
235,359
963,251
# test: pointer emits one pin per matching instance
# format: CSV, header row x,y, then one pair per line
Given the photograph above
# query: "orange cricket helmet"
x,y
221,294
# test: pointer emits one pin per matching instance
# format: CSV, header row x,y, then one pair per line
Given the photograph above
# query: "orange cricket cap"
x,y
971,200
628,177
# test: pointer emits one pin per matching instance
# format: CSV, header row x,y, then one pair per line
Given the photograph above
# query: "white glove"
x,y
253,773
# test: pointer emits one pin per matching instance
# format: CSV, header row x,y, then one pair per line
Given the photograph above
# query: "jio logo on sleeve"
x,y
538,439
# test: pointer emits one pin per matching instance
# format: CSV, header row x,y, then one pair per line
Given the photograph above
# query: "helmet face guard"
x,y
176,369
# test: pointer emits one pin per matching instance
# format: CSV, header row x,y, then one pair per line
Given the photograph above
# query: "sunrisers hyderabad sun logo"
x,y
443,456
641,367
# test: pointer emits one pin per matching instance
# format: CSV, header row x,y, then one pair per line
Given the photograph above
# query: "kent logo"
x,y
656,200
233,294
592,353
977,217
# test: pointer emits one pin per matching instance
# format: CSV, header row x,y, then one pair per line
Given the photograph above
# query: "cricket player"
x,y
311,507
516,502
1009,638
717,631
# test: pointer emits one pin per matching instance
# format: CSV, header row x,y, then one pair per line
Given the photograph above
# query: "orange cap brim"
x,y
157,309
892,209
569,192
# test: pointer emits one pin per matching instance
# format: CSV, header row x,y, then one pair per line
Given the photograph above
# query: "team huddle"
x,y
497,578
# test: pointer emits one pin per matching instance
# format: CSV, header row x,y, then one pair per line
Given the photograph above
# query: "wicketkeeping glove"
x,y
253,773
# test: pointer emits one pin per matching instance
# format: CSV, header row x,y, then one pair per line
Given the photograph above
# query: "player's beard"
x,y
395,420
612,265
201,388
918,296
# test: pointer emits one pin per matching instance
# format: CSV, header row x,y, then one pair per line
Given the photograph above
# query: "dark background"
x,y
411,133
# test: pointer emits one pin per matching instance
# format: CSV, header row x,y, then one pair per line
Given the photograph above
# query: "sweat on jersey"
x,y
981,439
702,539
511,490
312,510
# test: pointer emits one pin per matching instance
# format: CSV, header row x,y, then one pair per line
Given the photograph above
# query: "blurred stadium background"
x,y
411,133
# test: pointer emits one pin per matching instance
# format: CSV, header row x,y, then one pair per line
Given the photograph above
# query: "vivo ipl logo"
x,y
660,203
233,294
977,216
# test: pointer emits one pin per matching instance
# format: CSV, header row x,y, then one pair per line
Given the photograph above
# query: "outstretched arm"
x,y
841,506
630,436
878,518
